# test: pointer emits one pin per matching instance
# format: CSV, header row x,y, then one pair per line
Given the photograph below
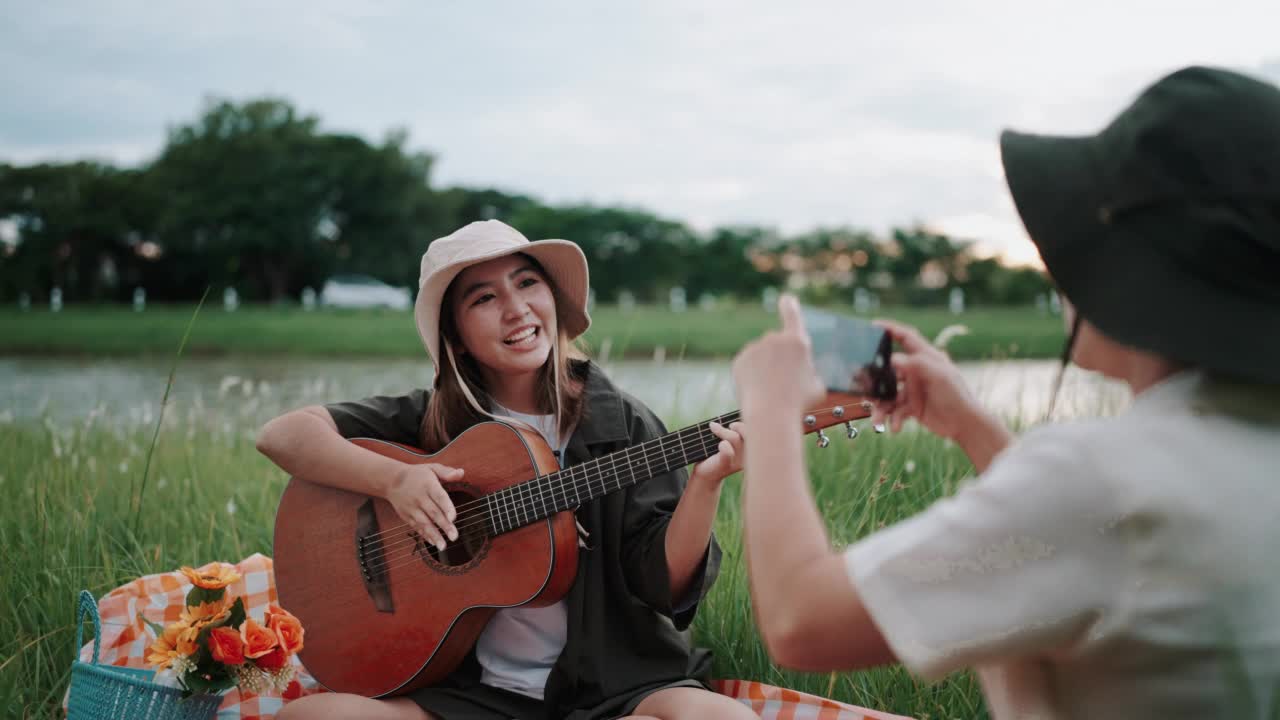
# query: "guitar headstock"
x,y
835,409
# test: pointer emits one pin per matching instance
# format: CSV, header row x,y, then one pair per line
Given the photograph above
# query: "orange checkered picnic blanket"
x,y
159,598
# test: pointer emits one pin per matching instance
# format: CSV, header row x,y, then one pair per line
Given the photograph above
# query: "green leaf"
x,y
157,629
201,680
237,614
201,595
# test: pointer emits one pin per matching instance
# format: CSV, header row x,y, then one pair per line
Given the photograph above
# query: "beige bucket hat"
x,y
563,262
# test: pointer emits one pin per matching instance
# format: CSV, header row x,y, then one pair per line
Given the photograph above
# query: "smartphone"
x,y
851,355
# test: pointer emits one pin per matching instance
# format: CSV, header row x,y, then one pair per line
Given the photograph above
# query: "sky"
x,y
787,115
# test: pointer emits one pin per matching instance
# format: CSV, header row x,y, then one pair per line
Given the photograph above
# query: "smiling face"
x,y
505,315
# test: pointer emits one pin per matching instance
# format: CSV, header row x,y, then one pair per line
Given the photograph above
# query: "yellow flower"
x,y
164,650
206,612
187,640
214,576
193,619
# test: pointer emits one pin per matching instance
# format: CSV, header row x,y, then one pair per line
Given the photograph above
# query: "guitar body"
x,y
384,612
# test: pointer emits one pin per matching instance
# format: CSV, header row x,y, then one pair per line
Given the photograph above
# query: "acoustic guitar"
x,y
386,612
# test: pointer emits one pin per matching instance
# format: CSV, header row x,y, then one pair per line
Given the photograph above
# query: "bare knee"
x,y
686,703
332,706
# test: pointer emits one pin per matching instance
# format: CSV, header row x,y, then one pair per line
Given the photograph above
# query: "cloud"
x,y
1271,70
715,112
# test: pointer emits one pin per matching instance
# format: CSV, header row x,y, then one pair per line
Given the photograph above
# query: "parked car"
x,y
362,291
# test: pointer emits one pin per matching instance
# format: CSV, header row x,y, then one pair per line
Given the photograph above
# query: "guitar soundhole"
x,y
473,537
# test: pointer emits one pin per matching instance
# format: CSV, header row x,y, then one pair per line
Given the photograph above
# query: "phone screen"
x,y
851,355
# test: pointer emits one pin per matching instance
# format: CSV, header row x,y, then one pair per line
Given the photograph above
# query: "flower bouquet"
x,y
214,645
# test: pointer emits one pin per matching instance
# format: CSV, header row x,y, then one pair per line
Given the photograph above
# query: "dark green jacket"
x,y
623,634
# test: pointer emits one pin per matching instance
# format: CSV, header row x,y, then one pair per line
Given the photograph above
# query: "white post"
x,y
957,301
55,299
861,301
308,298
707,302
626,301
230,300
1055,303
678,302
24,301
139,299
769,299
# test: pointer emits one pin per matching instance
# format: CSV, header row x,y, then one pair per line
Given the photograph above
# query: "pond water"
x,y
244,392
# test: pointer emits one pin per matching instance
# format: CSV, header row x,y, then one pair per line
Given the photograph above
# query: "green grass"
x,y
67,524
263,330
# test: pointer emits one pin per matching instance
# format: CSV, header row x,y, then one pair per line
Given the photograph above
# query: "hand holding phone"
x,y
851,355
814,353
934,393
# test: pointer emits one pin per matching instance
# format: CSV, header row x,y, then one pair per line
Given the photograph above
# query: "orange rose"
x,y
273,660
214,576
288,629
273,610
226,646
258,641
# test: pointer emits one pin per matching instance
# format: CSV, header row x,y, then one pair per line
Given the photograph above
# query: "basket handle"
x,y
89,606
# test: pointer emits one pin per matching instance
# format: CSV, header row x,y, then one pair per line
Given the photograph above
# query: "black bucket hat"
x,y
1164,228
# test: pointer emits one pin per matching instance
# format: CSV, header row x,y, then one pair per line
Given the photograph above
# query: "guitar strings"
x,y
474,527
415,560
477,527
475,531
527,493
526,487
532,501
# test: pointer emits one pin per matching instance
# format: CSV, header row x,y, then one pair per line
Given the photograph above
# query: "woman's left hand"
x,y
728,457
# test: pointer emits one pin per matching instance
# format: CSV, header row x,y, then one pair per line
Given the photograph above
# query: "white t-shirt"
x,y
1117,568
520,645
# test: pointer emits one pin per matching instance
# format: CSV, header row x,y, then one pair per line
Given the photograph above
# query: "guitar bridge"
x,y
372,559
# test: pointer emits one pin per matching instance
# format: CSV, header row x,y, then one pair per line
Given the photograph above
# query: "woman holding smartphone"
x,y
1111,568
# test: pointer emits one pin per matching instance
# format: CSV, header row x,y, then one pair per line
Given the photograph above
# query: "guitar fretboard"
x,y
533,500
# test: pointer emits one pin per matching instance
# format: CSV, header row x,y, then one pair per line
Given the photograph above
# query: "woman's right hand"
x,y
420,500
930,387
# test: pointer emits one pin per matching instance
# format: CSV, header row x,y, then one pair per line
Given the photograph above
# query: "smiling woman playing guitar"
x,y
364,524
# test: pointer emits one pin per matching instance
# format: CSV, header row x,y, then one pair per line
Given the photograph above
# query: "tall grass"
x,y
66,525
72,521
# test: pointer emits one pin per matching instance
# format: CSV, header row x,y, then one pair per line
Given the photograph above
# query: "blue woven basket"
x,y
106,692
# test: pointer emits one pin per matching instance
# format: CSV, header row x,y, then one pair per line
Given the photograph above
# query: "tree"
x,y
722,263
468,205
384,213
626,249
257,197
81,228
918,247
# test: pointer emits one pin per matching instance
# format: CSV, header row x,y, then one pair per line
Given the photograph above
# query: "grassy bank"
x,y
262,330
67,524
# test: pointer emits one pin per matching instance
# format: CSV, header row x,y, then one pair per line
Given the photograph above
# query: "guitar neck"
x,y
542,497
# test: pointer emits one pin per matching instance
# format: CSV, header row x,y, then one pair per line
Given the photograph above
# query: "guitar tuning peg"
x,y
853,431
823,440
